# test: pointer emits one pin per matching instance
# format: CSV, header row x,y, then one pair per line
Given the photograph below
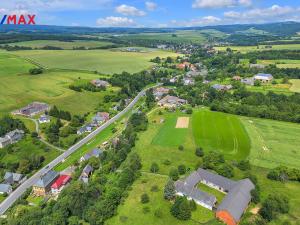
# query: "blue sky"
x,y
153,13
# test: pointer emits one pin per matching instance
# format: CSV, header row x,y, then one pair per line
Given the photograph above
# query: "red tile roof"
x,y
62,180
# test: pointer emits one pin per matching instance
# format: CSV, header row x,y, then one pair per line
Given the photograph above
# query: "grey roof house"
x,y
5,188
85,174
11,137
96,152
11,178
234,203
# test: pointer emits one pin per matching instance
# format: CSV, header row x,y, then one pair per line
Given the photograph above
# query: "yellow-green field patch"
x,y
104,61
295,85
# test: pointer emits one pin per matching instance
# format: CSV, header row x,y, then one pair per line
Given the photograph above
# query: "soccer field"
x,y
103,61
215,131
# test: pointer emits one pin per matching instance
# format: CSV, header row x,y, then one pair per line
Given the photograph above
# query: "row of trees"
x,y
8,124
283,173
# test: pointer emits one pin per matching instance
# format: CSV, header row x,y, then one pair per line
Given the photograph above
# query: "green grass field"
x,y
104,61
162,137
221,132
153,146
156,144
244,49
176,37
17,88
295,85
61,44
273,143
26,148
131,212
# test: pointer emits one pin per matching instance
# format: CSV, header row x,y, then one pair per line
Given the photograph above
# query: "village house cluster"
x,y
10,181
11,137
52,183
234,204
97,120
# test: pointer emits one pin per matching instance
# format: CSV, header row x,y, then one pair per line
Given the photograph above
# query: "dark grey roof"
x,y
47,179
5,188
194,193
204,197
87,169
192,180
10,177
237,200
216,179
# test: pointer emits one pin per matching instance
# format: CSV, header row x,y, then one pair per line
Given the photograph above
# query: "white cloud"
x,y
245,2
271,14
112,21
220,3
151,6
204,21
129,10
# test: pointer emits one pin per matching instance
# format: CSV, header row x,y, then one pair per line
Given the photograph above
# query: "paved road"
x,y
17,193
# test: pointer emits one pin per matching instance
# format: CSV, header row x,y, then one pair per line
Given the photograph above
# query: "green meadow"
x,y
61,44
221,132
153,146
18,88
104,61
131,212
273,143
27,148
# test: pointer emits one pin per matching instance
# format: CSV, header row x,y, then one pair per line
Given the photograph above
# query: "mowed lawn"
x,y
161,141
273,143
168,135
61,44
132,213
18,88
104,61
215,131
295,85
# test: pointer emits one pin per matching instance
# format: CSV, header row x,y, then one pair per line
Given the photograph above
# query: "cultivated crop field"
x,y
104,61
295,85
245,49
61,44
273,143
18,88
221,132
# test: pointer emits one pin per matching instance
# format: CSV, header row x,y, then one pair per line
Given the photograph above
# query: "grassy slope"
x,y
223,132
273,143
105,61
159,152
18,88
61,44
295,85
